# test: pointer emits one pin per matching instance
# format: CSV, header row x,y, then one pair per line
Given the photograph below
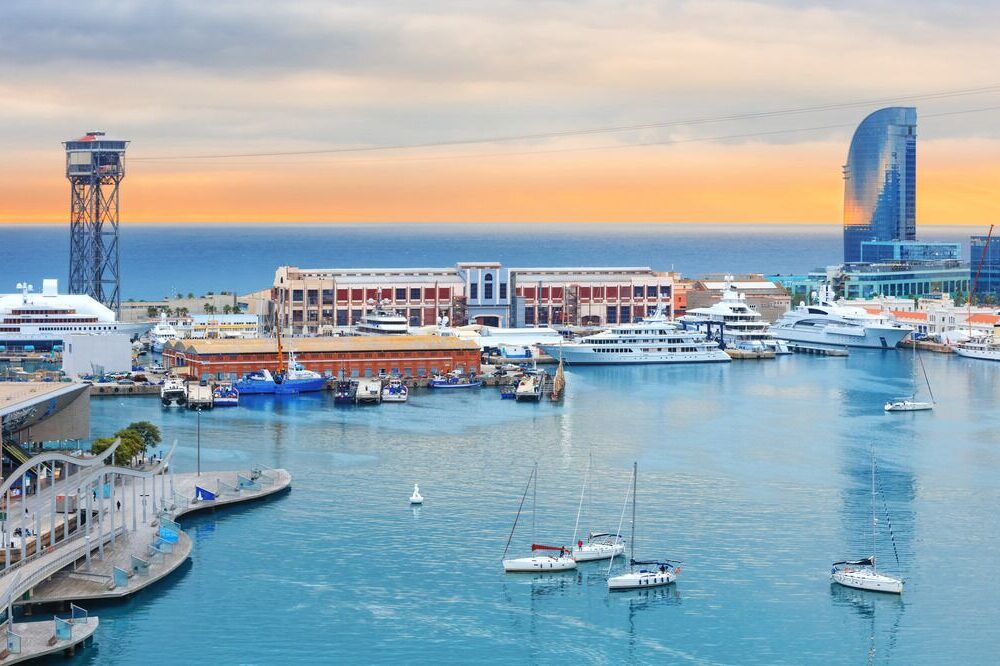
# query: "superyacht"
x,y
829,323
738,325
380,320
655,339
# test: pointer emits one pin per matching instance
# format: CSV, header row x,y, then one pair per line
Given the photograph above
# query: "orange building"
x,y
342,357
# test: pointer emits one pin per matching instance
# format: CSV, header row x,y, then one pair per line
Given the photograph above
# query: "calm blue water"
x,y
756,474
157,260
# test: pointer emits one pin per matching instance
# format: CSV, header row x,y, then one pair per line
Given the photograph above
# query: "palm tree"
x,y
151,311
209,308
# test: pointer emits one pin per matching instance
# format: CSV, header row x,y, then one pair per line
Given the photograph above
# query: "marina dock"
x,y
25,641
816,350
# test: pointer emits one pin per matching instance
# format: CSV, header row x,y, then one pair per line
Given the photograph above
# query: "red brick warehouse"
x,y
361,356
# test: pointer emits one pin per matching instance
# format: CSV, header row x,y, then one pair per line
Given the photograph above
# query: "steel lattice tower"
x,y
95,167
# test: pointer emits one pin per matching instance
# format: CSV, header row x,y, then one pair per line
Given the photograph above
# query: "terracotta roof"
x,y
983,318
375,343
912,316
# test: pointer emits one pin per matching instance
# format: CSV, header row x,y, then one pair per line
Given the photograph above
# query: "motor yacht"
x,y
654,339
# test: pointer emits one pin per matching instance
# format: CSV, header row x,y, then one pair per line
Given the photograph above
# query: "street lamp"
x,y
198,410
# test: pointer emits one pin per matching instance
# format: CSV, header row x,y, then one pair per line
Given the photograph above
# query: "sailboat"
x,y
863,574
599,545
535,563
661,572
911,404
559,383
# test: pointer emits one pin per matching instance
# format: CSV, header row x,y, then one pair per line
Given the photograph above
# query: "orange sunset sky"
x,y
204,80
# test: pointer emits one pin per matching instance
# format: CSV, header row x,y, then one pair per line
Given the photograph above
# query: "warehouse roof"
x,y
373,343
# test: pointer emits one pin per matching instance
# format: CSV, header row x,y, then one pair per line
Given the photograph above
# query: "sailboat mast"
x,y
635,473
579,509
621,521
534,502
519,507
874,518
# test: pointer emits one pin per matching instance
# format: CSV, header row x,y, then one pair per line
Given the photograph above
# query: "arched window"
x,y
488,286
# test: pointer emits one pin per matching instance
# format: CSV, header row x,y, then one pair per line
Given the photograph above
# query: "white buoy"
x,y
416,497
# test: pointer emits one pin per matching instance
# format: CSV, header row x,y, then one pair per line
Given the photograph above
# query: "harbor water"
x,y
754,474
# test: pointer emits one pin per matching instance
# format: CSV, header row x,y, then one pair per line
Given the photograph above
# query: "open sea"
x,y
754,473
161,259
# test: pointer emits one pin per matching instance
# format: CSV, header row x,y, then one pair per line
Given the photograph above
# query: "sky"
x,y
481,111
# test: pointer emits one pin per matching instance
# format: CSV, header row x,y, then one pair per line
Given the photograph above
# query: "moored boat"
x,y
863,574
562,561
173,392
395,391
225,395
345,392
453,381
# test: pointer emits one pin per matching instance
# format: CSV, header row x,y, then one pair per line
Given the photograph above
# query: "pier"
x,y
816,350
101,532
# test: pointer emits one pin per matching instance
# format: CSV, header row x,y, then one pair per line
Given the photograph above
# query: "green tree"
x,y
151,311
227,309
182,312
989,299
149,433
179,295
959,297
190,294
131,446
209,308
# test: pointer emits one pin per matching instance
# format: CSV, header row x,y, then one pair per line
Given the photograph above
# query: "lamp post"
x,y
199,439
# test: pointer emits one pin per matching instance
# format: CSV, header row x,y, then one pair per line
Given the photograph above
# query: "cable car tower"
x,y
95,167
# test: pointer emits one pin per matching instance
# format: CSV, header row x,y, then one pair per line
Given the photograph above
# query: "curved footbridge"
x,y
91,530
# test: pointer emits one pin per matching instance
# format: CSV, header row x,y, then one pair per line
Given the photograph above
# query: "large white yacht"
x,y
737,324
162,333
829,323
380,320
43,320
655,339
985,349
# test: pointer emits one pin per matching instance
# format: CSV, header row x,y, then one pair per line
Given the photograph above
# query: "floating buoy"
x,y
416,497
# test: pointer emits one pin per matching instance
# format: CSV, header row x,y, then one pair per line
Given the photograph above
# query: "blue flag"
x,y
202,494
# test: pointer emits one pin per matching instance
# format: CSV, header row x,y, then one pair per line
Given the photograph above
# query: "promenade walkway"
x,y
100,532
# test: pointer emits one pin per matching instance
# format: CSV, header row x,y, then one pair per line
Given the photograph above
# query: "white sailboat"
x,y
599,545
911,404
863,574
562,561
638,576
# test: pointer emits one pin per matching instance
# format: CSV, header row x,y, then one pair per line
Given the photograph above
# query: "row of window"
x,y
326,296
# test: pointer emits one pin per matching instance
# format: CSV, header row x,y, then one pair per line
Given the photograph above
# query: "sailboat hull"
x,y
908,406
867,580
636,580
597,551
537,564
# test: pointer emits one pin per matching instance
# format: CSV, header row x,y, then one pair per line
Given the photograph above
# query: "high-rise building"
x,y
880,180
989,274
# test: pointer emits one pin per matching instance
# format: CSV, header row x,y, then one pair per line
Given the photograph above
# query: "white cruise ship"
x,y
43,320
381,321
829,323
655,339
739,325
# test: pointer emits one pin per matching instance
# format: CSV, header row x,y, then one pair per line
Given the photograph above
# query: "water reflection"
x,y
873,608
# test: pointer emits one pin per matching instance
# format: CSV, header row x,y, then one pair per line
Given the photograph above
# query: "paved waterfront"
x,y
754,474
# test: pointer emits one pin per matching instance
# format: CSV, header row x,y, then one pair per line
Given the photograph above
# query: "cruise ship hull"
x,y
584,355
869,337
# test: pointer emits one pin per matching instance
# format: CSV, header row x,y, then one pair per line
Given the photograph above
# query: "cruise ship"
x,y
829,323
381,321
655,339
42,320
735,323
161,334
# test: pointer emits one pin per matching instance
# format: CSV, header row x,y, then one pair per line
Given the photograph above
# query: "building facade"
x,y
863,281
988,283
894,251
880,180
339,357
767,297
320,301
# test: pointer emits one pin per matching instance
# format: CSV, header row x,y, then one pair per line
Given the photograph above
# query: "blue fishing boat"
x,y
454,382
256,382
225,395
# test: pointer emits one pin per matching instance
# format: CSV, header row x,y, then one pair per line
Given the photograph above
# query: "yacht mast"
x,y
874,518
583,490
635,473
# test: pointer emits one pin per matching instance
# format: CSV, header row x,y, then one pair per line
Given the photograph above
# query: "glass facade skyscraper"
x,y
989,275
880,180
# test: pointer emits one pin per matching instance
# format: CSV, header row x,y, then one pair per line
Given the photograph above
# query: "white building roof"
x,y
756,284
